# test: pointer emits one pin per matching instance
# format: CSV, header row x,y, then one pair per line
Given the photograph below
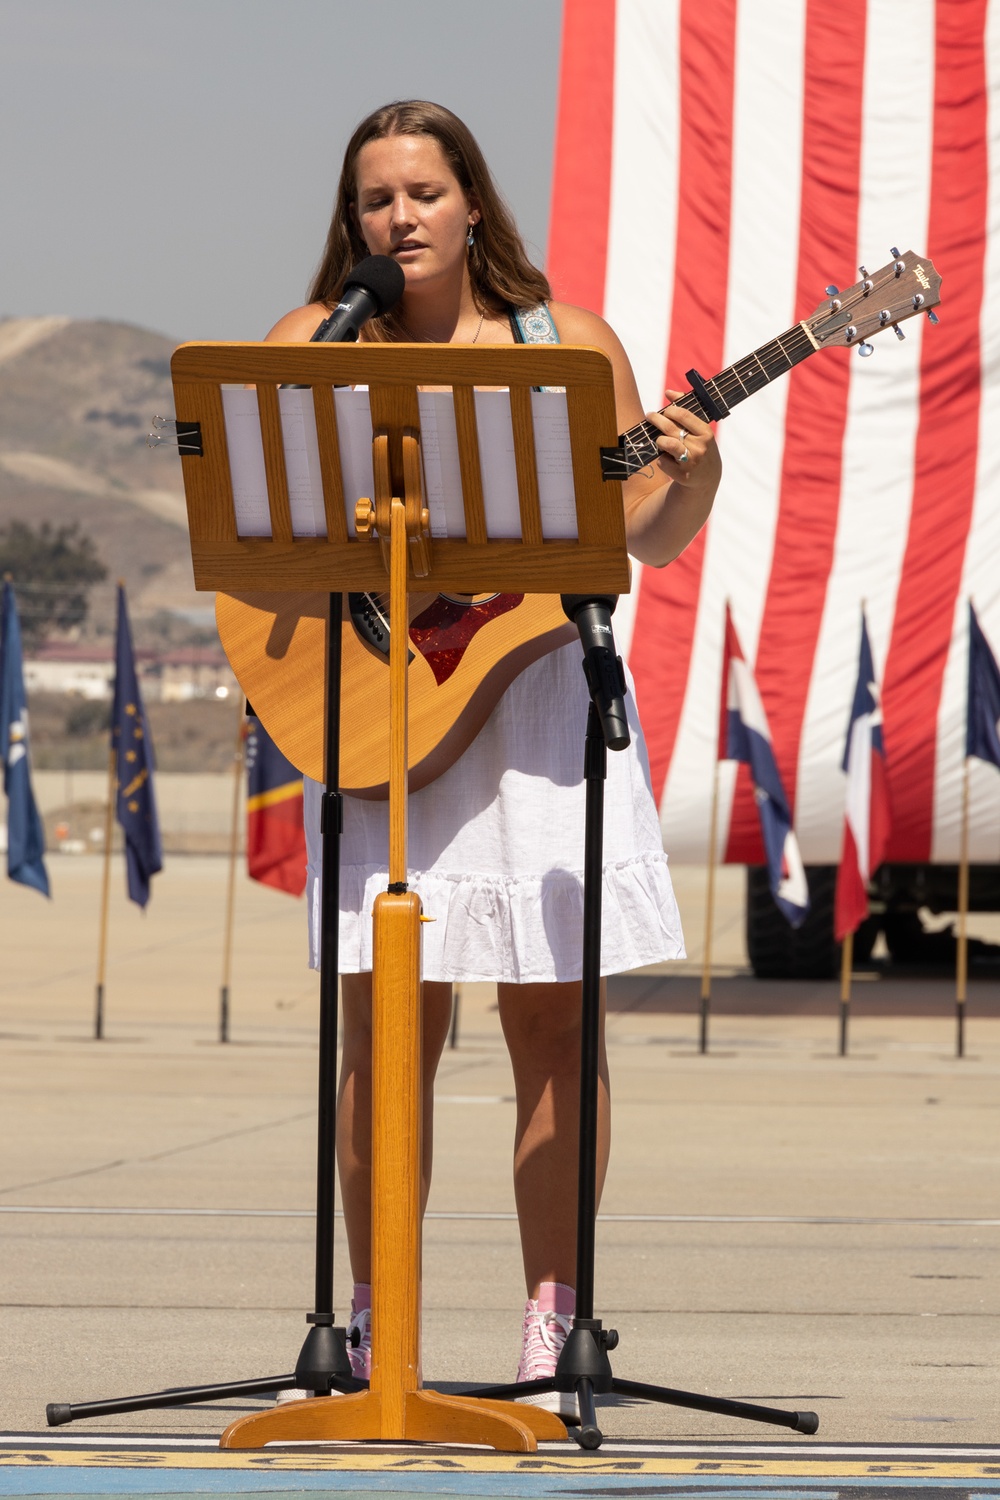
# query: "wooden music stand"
x,y
393,547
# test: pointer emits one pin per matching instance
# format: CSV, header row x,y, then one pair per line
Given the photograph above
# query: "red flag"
x,y
276,840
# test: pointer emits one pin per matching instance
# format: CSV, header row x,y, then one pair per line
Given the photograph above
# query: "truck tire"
x,y
779,951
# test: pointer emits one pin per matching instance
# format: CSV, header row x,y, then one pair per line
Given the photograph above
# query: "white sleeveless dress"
x,y
496,848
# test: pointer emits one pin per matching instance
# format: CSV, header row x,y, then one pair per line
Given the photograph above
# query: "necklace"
x,y
413,339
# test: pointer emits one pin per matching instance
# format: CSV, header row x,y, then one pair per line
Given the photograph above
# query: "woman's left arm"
x,y
668,504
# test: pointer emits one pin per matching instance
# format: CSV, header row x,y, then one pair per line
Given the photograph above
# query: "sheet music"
x,y
439,449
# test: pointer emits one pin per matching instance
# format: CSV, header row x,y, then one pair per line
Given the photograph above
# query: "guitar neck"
x,y
731,386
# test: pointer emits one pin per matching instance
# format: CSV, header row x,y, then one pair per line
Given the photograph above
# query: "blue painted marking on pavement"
x,y
112,1482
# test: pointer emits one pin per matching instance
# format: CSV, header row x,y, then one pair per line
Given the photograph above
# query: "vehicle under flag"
x,y
982,731
867,821
276,840
25,834
744,736
133,750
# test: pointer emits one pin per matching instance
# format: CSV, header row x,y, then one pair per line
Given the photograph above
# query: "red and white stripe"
x,y
711,177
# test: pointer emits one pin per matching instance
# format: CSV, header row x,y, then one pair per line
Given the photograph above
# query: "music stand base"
x,y
416,1416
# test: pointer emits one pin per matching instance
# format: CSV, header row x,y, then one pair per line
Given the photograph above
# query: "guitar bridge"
x,y
371,623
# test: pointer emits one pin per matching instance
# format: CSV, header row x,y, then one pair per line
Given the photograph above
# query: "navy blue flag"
x,y
25,835
982,725
133,749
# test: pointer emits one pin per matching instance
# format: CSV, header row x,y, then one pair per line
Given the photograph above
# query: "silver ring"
x,y
683,456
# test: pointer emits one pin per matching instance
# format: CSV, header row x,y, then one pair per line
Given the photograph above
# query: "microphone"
x,y
375,285
591,614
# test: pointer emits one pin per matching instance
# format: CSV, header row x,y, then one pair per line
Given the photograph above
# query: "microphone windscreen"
x,y
382,277
573,603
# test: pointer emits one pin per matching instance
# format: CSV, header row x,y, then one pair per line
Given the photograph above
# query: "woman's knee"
x,y
356,1006
541,1022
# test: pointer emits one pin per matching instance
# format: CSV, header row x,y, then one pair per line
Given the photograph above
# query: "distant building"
x,y
174,676
187,672
67,667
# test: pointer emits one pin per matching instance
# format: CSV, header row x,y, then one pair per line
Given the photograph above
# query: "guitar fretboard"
x,y
731,386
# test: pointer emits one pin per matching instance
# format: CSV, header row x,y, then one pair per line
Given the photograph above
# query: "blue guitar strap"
x,y
534,325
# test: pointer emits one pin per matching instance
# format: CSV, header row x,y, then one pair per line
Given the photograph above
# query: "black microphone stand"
x,y
583,1367
323,1365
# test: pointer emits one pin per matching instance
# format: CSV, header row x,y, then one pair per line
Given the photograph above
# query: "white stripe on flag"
x,y
883,412
642,233
643,229
764,231
857,807
981,575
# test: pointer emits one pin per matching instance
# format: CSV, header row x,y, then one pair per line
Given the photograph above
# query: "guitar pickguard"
x,y
443,631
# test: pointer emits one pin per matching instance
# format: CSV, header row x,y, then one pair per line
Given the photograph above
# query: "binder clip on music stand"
x,y
284,589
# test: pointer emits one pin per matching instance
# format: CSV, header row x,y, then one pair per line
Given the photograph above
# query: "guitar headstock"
x,y
908,285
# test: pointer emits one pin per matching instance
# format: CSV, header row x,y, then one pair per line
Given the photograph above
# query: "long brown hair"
x,y
499,268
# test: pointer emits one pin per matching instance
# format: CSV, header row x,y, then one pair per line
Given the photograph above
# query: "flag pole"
x,y
102,946
706,966
234,843
846,965
962,955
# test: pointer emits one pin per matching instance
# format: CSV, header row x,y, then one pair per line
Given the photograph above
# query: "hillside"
x,y
76,401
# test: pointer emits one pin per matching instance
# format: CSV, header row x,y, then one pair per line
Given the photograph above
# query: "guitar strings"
x,y
741,379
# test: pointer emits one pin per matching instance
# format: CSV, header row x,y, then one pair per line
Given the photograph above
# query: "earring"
x,y
470,238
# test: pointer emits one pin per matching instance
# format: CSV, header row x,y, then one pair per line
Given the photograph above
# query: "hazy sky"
x,y
172,163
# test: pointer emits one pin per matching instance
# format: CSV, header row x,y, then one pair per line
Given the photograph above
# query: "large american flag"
x,y
717,165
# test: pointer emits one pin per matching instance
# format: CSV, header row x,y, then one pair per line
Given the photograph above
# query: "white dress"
x,y
495,848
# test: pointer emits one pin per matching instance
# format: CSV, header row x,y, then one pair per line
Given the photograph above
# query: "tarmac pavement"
x,y
780,1224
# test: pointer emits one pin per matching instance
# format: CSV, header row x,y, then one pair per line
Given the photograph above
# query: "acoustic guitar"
x,y
466,651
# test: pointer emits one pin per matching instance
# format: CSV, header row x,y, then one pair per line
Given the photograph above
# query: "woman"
x,y
496,842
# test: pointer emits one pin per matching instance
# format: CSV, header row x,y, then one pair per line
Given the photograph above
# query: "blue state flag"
x,y
25,834
982,725
133,750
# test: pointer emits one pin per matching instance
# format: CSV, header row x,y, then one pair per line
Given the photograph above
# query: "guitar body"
x,y
465,654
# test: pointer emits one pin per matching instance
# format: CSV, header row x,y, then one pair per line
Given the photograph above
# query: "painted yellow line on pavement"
x,y
283,1460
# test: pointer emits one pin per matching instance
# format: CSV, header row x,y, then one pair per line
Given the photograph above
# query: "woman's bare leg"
x,y
354,1105
541,1024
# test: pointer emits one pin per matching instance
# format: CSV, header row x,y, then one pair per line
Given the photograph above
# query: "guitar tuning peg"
x,y
863,270
833,291
898,331
864,349
932,317
894,252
